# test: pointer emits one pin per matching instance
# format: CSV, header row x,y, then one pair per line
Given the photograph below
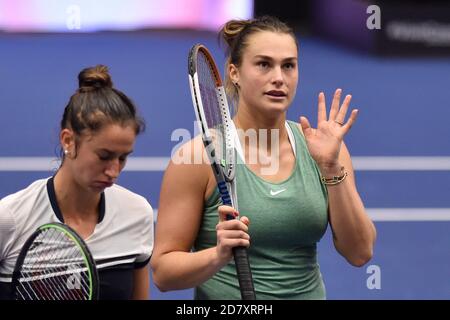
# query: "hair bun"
x,y
95,77
232,29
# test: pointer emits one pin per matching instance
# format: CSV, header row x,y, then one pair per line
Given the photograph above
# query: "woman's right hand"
x,y
231,233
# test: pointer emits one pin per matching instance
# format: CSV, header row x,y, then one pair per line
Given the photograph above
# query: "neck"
x,y
245,121
74,201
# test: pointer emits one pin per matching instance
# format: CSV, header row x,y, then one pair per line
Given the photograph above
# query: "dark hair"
x,y
235,33
96,103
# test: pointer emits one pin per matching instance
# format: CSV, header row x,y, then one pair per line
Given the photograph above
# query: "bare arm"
x,y
179,216
353,232
141,283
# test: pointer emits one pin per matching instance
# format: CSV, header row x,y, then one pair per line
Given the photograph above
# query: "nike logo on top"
x,y
274,193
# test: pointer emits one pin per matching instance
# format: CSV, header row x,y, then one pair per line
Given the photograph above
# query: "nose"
x,y
113,169
277,76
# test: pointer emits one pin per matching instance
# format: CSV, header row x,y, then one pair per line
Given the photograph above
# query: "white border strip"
x,y
51,164
147,164
401,163
396,214
160,163
409,214
28,164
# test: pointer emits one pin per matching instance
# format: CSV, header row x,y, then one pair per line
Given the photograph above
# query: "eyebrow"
x,y
261,56
114,153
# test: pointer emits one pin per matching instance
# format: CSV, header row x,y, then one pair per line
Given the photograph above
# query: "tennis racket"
x,y
211,109
55,264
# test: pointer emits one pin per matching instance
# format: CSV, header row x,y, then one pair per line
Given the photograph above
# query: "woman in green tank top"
x,y
292,181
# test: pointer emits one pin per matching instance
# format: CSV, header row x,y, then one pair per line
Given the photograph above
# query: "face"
x,y
100,156
268,73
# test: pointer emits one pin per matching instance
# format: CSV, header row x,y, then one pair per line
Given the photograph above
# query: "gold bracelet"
x,y
336,179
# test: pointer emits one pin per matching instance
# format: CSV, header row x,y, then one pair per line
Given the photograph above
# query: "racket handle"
x,y
243,270
244,273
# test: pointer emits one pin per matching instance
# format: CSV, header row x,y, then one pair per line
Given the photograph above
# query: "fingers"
x,y
351,120
230,238
230,224
322,109
245,220
232,233
340,117
225,245
227,213
235,224
304,123
335,104
337,114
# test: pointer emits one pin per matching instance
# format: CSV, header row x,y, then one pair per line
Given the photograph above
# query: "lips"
x,y
104,184
276,93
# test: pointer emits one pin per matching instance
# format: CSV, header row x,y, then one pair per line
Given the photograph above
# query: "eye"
x,y
289,66
104,157
263,64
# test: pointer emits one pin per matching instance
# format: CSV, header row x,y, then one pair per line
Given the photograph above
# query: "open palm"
x,y
324,142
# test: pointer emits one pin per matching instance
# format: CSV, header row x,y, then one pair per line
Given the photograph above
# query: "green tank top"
x,y
287,219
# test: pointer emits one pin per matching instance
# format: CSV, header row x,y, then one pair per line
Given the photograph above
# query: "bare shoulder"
x,y
181,201
189,167
190,158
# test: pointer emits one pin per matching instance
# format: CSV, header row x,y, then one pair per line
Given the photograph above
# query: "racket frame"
x,y
72,234
224,173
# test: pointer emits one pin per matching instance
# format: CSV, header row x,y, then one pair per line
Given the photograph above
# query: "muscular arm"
x,y
184,189
179,216
353,232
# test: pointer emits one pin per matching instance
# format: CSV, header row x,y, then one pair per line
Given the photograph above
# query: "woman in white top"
x,y
98,132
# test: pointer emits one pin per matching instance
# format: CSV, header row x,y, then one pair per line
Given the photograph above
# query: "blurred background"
x,y
392,56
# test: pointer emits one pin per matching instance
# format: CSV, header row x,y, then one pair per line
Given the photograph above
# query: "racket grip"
x,y
244,273
243,270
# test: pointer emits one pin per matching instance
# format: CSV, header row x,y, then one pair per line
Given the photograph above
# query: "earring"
x,y
236,84
66,152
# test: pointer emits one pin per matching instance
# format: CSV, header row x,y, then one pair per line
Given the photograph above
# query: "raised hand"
x,y
324,142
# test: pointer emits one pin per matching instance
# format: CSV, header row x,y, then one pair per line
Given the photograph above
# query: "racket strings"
x,y
36,274
57,266
50,277
41,276
211,106
54,269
